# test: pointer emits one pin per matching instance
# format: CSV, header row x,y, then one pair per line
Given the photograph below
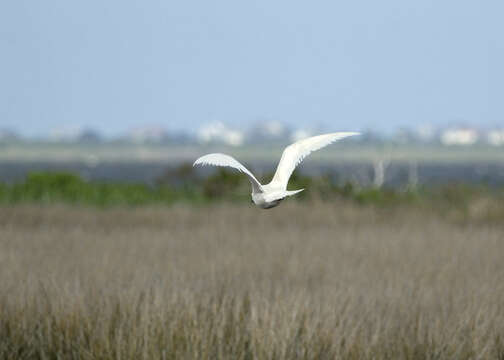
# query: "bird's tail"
x,y
280,195
293,192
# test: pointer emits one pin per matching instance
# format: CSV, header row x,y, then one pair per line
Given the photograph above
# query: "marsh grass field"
x,y
306,280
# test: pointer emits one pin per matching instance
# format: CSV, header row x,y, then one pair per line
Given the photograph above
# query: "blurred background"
x,y
113,246
125,91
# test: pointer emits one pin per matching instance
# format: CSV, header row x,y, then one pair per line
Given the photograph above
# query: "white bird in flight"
x,y
269,195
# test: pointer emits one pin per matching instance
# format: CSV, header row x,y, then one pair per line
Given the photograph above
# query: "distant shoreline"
x,y
345,153
341,166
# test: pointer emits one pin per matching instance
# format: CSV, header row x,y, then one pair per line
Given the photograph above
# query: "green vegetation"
x,y
183,185
48,188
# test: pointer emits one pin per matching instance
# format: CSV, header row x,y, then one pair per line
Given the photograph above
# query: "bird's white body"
x,y
271,194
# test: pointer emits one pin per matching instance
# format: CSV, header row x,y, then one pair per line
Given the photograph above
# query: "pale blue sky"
x,y
117,64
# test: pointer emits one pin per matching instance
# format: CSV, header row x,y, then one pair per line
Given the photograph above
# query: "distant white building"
x,y
496,137
300,134
274,128
220,133
459,136
152,133
66,133
425,133
268,131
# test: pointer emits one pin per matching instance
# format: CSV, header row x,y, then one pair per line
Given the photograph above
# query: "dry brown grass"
x,y
310,281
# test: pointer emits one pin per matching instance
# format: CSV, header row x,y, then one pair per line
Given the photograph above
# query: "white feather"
x,y
296,152
218,159
269,195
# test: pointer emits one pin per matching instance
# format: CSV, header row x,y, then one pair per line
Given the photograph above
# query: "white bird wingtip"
x,y
345,134
352,133
203,160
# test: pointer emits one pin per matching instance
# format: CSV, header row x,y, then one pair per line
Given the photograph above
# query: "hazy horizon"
x,y
361,65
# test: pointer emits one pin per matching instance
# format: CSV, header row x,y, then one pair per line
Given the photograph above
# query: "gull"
x,y
270,195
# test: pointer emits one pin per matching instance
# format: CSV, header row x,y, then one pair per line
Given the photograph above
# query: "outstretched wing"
x,y
226,160
295,153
